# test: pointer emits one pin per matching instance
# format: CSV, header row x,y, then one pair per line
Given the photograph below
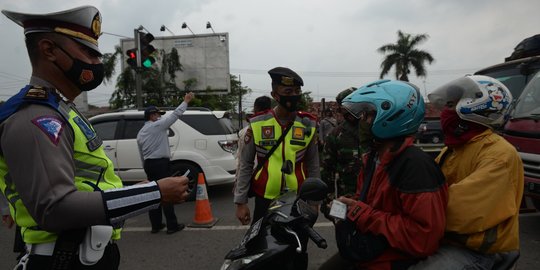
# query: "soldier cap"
x,y
343,94
285,76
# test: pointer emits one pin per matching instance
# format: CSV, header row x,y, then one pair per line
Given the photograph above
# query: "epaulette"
x,y
37,92
303,114
261,113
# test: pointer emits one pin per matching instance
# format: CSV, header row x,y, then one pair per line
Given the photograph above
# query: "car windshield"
x,y
511,78
528,105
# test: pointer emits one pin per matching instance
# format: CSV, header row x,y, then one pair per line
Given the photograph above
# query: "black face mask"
x,y
85,76
290,103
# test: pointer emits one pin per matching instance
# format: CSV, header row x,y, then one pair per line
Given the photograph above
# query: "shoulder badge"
x,y
51,125
36,92
248,135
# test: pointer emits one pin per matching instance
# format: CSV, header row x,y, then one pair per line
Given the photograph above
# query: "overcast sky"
x,y
331,44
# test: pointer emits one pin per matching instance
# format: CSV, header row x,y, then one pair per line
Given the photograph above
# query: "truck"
x,y
520,73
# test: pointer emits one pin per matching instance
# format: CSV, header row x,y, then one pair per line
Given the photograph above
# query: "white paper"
x,y
338,210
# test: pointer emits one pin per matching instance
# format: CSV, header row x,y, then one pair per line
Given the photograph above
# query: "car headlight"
x,y
228,145
236,264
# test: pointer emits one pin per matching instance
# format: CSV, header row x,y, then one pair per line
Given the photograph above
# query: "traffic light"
x,y
146,50
147,60
132,58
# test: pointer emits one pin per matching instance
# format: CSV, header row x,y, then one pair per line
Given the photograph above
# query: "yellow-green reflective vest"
x,y
270,180
92,167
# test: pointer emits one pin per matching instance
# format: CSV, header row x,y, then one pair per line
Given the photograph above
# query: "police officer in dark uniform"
x,y
59,183
284,142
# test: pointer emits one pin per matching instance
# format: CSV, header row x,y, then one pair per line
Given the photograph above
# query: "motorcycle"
x,y
279,240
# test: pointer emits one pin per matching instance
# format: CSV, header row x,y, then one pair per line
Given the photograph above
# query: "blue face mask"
x,y
83,75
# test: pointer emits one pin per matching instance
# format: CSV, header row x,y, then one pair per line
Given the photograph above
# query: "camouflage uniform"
x,y
341,159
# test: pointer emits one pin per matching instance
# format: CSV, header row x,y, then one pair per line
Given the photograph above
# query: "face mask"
x,y
85,76
364,132
290,103
350,119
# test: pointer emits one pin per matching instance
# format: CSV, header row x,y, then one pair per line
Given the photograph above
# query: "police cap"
x,y
82,24
285,76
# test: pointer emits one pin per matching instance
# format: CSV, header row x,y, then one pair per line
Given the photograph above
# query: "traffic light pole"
x,y
138,80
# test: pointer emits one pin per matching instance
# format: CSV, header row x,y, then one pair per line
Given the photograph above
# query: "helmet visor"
x,y
450,93
359,109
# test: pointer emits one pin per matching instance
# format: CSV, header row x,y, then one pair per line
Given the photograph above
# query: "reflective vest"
x,y
270,180
93,169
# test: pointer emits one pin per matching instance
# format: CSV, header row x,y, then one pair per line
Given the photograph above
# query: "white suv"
x,y
198,142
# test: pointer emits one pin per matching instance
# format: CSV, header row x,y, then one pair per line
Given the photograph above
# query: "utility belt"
x,y
89,244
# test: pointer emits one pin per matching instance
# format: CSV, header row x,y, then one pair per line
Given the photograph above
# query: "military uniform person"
x,y
341,156
341,162
60,185
295,158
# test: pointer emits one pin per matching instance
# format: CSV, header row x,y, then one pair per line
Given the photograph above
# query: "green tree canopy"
x,y
403,54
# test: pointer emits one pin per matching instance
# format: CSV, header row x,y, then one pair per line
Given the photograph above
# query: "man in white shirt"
x,y
153,144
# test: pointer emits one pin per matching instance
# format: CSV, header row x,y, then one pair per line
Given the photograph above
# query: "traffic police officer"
x,y
60,185
285,133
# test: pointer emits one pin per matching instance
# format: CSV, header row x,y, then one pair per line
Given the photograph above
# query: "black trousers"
x,y
109,261
156,169
261,208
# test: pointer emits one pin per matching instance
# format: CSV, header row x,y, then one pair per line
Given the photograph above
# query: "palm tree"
x,y
403,54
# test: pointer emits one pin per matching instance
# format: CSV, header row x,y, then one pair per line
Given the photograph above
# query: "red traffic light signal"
x,y
132,57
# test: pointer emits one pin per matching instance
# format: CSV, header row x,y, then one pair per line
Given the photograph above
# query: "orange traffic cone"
x,y
203,214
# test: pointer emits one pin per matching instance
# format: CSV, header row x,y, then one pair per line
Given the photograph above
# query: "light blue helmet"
x,y
399,107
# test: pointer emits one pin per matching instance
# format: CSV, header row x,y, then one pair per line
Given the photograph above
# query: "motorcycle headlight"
x,y
238,263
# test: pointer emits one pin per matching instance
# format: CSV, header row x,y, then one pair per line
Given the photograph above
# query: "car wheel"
x,y
194,170
435,139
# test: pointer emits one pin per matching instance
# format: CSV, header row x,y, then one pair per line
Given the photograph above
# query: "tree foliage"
x,y
403,54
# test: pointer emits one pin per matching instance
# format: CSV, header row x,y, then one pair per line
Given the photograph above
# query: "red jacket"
x,y
406,203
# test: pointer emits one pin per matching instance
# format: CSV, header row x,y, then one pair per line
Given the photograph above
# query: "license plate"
x,y
252,232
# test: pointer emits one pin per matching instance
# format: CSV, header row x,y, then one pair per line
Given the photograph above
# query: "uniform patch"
x,y
51,125
268,132
88,132
37,93
298,133
247,136
268,143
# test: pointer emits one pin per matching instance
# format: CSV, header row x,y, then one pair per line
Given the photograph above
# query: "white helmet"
x,y
479,99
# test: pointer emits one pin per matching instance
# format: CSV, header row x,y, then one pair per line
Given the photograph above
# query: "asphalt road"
x,y
196,248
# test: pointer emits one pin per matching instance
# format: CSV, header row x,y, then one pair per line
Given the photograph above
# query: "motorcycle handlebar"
x,y
316,237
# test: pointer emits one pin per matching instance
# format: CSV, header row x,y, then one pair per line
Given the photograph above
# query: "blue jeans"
x,y
450,257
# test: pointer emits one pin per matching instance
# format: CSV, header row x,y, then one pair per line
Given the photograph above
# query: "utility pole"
x,y
240,122
138,80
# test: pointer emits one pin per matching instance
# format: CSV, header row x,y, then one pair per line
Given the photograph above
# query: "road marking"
x,y
217,228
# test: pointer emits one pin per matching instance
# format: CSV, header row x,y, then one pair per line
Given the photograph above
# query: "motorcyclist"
x,y
402,191
484,174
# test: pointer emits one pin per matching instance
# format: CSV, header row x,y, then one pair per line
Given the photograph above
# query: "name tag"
x,y
268,143
298,143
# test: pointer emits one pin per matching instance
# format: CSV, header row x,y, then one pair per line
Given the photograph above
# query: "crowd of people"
x,y
459,211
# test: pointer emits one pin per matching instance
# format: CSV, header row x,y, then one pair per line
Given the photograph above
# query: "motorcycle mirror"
x,y
313,189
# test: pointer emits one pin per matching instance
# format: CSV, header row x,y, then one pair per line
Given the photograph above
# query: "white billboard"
x,y
203,57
